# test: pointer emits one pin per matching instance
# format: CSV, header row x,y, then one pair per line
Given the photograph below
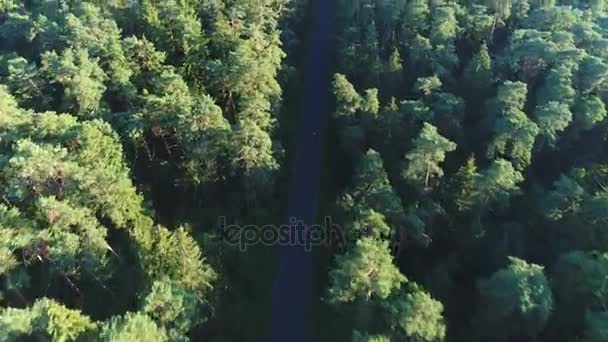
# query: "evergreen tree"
x,y
428,152
579,282
478,73
418,316
514,132
464,185
366,272
495,185
515,302
348,101
132,326
46,318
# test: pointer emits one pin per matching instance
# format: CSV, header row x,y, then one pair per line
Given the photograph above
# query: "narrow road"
x,y
292,293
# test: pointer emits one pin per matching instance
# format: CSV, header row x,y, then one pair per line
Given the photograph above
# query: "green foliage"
x,y
589,112
418,316
364,273
427,85
45,318
479,70
370,102
360,337
172,27
444,26
348,101
173,308
515,302
557,86
552,119
155,70
79,76
592,71
464,185
521,86
395,63
105,104
88,28
520,9
371,223
177,256
514,132
65,175
254,147
428,152
580,282
416,16
565,198
132,327
65,186
495,185
372,189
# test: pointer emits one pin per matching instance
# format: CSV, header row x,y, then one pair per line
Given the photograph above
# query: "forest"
x,y
465,162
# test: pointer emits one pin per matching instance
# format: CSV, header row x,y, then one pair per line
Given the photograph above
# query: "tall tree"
x,y
364,273
478,73
428,152
348,101
515,302
495,185
514,132
45,318
579,282
416,315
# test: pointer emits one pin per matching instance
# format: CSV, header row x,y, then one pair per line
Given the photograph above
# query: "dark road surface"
x,y
292,292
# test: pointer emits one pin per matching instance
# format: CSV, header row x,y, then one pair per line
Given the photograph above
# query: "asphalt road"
x,y
292,292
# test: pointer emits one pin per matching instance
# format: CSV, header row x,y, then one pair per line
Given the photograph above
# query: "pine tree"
x,y
579,282
130,327
81,78
348,101
417,16
427,85
370,103
464,185
552,119
45,318
173,308
366,272
372,189
395,63
444,26
495,185
478,73
417,316
514,132
515,302
564,199
429,151
589,111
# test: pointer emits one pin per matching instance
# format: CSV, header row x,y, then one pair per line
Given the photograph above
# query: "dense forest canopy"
x,y
118,121
474,135
466,156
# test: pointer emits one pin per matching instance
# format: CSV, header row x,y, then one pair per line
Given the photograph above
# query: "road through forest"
x,y
292,292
